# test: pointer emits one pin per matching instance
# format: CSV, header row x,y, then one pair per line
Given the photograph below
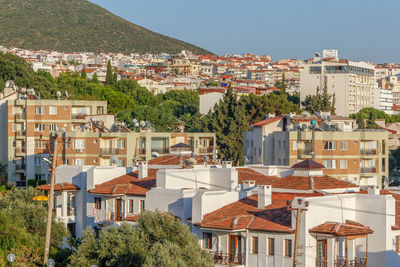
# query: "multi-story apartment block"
x,y
86,135
359,156
353,83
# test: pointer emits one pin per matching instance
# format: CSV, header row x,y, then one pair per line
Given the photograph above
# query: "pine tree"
x,y
326,99
361,121
333,106
109,75
283,85
83,74
94,78
115,78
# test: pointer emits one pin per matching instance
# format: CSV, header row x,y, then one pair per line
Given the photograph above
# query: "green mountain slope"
x,y
78,25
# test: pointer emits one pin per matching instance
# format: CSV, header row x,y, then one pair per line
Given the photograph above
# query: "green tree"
x,y
115,78
83,74
371,124
320,102
283,84
109,74
23,227
158,240
361,122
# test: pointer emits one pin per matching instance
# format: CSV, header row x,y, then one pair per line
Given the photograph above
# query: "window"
x,y
121,143
288,248
79,162
121,163
40,144
141,207
38,161
343,145
329,164
330,145
254,245
53,110
271,246
79,143
40,127
53,127
14,127
343,164
207,240
294,145
130,205
97,203
40,110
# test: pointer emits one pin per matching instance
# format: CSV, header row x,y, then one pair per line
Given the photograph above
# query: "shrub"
x,y
32,182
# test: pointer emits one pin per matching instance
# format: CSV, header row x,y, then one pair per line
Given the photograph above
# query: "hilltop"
x,y
78,25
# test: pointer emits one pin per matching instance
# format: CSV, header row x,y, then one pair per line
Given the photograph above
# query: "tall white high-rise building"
x,y
353,83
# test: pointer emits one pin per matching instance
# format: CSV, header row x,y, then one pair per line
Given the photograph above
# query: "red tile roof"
x,y
310,183
308,164
59,187
267,121
259,178
244,214
174,160
128,184
349,228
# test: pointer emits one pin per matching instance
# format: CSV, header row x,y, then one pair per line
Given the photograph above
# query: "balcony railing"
x,y
20,167
109,151
142,151
160,150
222,258
368,170
368,151
20,116
203,150
20,150
345,262
79,116
303,152
20,133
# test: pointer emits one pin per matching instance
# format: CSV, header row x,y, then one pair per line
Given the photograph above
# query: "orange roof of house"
x,y
244,214
128,184
349,228
259,178
267,121
174,160
317,183
59,187
308,164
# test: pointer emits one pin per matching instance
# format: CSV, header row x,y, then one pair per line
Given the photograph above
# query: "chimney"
x,y
247,184
226,164
373,190
143,169
264,196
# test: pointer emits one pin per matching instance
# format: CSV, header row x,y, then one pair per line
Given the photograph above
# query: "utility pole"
x,y
51,202
297,231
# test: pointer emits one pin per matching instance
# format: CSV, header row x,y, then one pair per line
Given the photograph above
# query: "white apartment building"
x,y
353,83
384,100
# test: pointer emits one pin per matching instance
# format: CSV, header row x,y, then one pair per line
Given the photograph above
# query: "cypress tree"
x,y
115,78
109,75
94,78
283,85
83,74
361,121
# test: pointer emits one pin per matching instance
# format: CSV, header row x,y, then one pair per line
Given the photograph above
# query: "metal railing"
x,y
368,170
220,257
109,151
20,167
20,116
305,151
160,150
368,151
345,262
203,150
20,133
79,116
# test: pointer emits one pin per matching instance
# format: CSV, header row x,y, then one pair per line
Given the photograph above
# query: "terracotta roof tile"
x,y
267,121
259,178
59,187
244,214
174,160
308,164
349,228
317,183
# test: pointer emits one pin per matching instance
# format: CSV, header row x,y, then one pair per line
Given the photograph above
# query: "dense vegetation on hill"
x,y
78,25
129,101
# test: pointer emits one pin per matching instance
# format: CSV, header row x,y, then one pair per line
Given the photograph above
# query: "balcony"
x,y
160,150
222,258
20,116
109,151
20,167
79,116
304,152
141,151
20,150
366,152
345,262
206,150
368,170
20,134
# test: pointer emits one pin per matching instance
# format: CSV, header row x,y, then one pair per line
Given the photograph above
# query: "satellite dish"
x,y
317,54
66,94
63,129
142,123
135,121
58,94
7,84
304,126
147,124
136,124
30,91
155,154
313,122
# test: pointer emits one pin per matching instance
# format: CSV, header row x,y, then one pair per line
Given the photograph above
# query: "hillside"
x,y
78,25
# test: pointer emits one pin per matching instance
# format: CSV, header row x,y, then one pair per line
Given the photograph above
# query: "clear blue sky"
x,y
359,29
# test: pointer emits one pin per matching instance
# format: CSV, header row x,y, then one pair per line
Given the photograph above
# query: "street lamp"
x,y
46,160
50,263
11,258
